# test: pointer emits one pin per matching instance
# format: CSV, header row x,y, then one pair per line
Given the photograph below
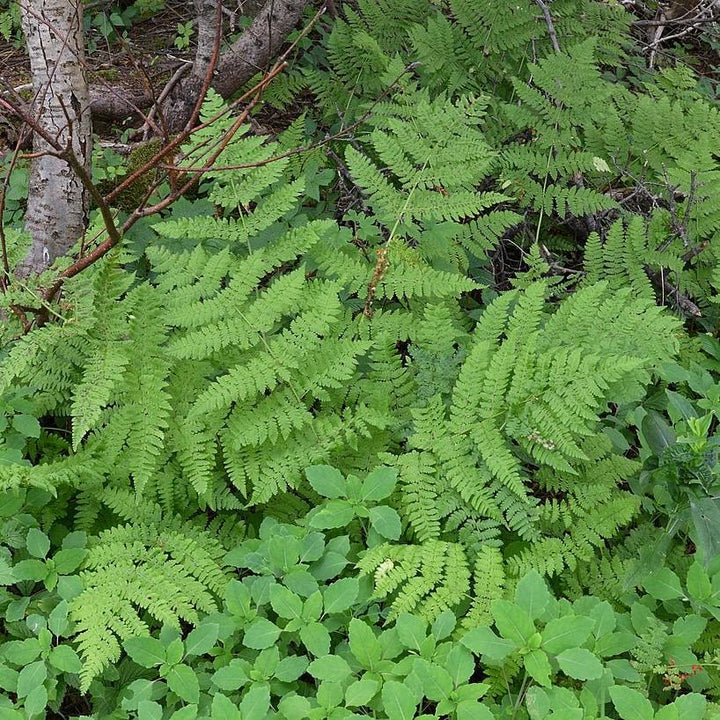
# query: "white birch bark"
x,y
57,201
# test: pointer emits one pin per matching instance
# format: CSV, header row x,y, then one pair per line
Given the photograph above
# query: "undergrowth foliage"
x,y
419,422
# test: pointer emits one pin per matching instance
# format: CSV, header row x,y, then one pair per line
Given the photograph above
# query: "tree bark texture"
x,y
57,201
250,54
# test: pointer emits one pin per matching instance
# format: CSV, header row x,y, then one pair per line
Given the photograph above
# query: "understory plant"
x,y
406,411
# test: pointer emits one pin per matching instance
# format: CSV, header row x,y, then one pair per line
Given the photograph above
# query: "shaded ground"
x,y
140,56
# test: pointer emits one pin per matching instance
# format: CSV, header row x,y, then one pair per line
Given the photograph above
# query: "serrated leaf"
x,y
483,641
398,701
202,639
285,603
412,630
580,663
331,668
261,634
566,632
183,681
361,692
26,425
256,703
513,622
663,584
315,638
30,677
532,594
386,522
378,485
326,481
38,543
341,595
538,667
64,658
630,704
145,651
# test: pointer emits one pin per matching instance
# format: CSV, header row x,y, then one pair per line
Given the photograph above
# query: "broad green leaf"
x,y
285,603
202,639
149,710
231,677
411,630
363,644
615,643
294,707
435,680
630,704
698,582
261,634
174,652
256,703
663,584
7,713
386,522
30,570
361,692
30,677
315,638
6,573
398,701
36,701
532,594
26,425
657,433
189,712
538,667
332,668
483,641
326,481
38,543
68,560
237,598
513,622
580,663
460,664
64,658
341,595
681,408
58,619
444,624
145,651
333,514
473,710
566,632
183,681
691,706
224,709
21,652
705,514
284,552
689,628
667,712
378,485
291,667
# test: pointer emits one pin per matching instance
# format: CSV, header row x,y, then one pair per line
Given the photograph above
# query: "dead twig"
x,y
551,26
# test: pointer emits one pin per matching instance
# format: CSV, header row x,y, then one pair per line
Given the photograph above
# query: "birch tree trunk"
x,y
57,201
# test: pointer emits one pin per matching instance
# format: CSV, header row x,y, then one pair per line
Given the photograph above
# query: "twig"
x,y
551,27
207,80
112,239
683,303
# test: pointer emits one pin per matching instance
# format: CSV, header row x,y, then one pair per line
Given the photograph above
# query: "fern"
x,y
172,574
424,579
